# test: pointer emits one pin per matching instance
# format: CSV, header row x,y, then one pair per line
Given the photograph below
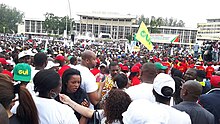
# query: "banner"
x,y
144,37
164,38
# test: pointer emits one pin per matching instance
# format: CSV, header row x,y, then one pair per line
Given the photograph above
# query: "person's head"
x,y
190,74
148,72
178,73
71,81
25,57
3,115
115,104
88,59
22,73
40,60
190,91
160,68
200,75
102,68
114,68
73,60
47,83
60,59
163,88
178,84
26,110
121,81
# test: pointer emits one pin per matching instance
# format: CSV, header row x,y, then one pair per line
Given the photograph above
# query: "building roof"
x,y
35,19
107,15
179,28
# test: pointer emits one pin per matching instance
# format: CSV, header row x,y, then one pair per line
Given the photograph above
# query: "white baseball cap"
x,y
25,53
162,80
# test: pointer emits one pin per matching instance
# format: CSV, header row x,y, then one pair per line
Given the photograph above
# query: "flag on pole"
x,y
144,37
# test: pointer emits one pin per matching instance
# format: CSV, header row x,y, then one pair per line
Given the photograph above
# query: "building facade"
x,y
118,26
186,35
209,31
32,26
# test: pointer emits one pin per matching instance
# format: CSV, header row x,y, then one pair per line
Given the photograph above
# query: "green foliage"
x,y
9,18
55,24
153,23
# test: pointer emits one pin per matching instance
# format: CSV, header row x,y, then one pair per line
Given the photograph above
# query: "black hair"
x,y
121,80
167,92
73,60
132,74
201,73
112,64
66,76
40,59
178,73
45,80
178,83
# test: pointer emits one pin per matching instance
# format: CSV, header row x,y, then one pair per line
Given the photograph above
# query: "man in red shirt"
x,y
200,67
209,70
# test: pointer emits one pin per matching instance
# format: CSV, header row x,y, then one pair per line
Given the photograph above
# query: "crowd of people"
x,y
47,82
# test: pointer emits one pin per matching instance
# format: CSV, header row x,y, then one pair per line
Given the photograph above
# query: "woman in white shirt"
x,y
48,84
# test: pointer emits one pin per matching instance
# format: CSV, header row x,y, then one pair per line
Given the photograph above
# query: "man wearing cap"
x,y
210,101
160,68
144,89
25,56
3,69
190,92
134,76
159,112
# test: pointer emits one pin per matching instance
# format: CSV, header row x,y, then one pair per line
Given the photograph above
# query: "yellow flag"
x,y
144,37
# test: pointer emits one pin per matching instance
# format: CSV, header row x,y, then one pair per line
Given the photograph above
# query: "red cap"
x,y
215,81
7,73
60,58
138,65
3,61
124,68
135,69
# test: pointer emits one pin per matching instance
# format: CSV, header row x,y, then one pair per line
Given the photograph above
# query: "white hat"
x,y
51,64
25,53
102,64
162,80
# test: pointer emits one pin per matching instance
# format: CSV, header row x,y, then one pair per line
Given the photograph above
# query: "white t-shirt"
x,y
176,116
30,85
88,79
52,112
144,112
141,91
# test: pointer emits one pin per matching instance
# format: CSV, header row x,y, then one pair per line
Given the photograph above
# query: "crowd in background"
x,y
172,84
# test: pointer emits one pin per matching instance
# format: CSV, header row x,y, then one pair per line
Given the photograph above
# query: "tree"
x,y
56,24
9,18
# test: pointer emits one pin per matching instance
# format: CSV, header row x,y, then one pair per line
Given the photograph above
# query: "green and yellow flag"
x,y
144,37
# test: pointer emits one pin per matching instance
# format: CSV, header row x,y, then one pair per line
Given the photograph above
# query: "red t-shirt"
x,y
182,69
95,71
8,73
135,81
62,69
200,68
209,71
191,66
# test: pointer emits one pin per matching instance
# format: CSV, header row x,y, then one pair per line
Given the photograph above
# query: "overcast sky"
x,y
190,11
